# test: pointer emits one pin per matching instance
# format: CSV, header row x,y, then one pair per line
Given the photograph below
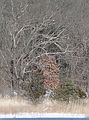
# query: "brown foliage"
x,y
50,71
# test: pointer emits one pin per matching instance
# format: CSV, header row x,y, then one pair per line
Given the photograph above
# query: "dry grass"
x,y
15,105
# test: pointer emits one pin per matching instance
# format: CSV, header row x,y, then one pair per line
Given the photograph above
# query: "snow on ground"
x,y
42,115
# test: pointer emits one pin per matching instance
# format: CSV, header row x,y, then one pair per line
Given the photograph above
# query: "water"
x,y
44,118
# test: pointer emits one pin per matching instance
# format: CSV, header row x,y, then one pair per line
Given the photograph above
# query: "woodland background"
x,y
43,42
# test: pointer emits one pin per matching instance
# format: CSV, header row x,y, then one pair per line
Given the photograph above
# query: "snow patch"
x,y
42,115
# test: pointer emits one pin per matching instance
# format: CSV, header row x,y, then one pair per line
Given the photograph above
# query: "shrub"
x,y
80,93
33,89
67,91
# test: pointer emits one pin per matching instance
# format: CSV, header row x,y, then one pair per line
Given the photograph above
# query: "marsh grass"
x,y
15,105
